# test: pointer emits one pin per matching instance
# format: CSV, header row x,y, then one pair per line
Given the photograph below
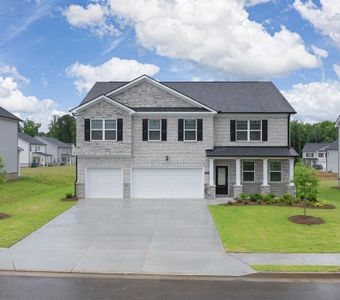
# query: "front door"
x,y
221,180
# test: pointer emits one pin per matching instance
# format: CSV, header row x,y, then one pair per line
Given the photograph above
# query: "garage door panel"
x,y
104,183
167,183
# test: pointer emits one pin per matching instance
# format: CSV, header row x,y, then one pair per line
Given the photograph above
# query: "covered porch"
x,y
236,170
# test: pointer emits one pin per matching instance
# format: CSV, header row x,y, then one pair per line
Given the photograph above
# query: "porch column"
x,y
265,171
291,171
211,171
238,171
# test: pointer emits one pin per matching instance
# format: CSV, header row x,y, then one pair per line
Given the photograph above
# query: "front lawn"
x,y
33,200
267,228
295,268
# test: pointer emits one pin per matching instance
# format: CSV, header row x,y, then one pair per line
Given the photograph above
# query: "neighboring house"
x,y
61,152
9,150
337,124
333,157
315,154
150,139
34,151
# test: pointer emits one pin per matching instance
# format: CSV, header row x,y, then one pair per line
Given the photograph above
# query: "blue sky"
x,y
51,52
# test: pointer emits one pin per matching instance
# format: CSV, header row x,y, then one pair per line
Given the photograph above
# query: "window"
x,y
154,130
248,171
275,171
248,130
103,130
321,154
190,130
309,154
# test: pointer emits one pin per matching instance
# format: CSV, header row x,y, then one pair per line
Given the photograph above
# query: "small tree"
x,y
306,183
2,171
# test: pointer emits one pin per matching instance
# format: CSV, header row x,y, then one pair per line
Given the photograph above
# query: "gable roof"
x,y
7,115
333,146
56,142
312,147
29,139
221,96
337,122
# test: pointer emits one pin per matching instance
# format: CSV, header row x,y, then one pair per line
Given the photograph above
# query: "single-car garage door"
x,y
167,183
104,183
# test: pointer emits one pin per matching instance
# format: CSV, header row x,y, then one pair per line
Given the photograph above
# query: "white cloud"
x,y
113,69
93,17
322,53
14,100
216,34
315,101
336,69
249,3
325,18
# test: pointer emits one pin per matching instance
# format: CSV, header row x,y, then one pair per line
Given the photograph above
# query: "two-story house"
x,y
9,150
60,152
151,139
315,155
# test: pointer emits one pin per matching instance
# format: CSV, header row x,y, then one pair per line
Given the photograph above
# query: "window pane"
x,y
96,135
275,166
190,135
248,176
255,125
221,176
110,135
241,135
248,166
154,135
110,124
275,176
242,125
190,124
154,124
96,124
255,135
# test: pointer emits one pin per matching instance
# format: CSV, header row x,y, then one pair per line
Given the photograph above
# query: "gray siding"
x,y
9,144
332,161
277,129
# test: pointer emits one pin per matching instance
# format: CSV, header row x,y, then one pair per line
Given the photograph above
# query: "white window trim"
x,y
248,130
103,130
160,130
195,130
309,153
270,171
247,171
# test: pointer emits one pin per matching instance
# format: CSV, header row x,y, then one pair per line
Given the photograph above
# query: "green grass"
x,y
267,228
295,268
33,200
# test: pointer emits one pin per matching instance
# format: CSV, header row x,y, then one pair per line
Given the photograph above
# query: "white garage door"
x,y
167,183
104,183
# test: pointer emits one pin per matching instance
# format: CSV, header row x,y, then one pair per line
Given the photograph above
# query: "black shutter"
x,y
199,130
264,130
145,129
164,129
232,131
87,129
180,129
119,129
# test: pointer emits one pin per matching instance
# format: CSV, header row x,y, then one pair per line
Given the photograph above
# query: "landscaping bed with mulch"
x,y
306,220
4,216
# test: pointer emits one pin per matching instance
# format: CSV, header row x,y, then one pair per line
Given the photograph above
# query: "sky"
x,y
52,51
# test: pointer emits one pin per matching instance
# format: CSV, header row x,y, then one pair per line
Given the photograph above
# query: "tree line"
x,y
64,129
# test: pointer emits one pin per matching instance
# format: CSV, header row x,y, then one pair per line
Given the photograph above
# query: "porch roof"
x,y
221,151
42,153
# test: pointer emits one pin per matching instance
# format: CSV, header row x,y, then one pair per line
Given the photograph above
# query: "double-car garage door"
x,y
146,183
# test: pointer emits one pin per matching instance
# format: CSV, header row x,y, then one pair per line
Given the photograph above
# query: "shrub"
x,y
68,195
2,171
256,197
269,197
244,196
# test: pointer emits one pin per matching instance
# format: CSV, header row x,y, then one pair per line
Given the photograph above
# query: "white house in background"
x,y
333,157
33,151
315,154
9,150
61,152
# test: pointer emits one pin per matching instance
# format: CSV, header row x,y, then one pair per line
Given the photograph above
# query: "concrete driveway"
x,y
173,236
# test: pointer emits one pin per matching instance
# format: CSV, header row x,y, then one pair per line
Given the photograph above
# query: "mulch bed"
x,y
263,203
4,216
336,187
306,220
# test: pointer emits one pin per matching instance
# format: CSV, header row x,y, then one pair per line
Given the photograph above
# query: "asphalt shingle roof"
x,y
333,146
252,152
7,115
56,142
312,147
222,96
29,139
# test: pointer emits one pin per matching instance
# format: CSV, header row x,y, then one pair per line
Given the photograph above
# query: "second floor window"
x,y
154,130
321,154
103,130
309,154
248,130
190,130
